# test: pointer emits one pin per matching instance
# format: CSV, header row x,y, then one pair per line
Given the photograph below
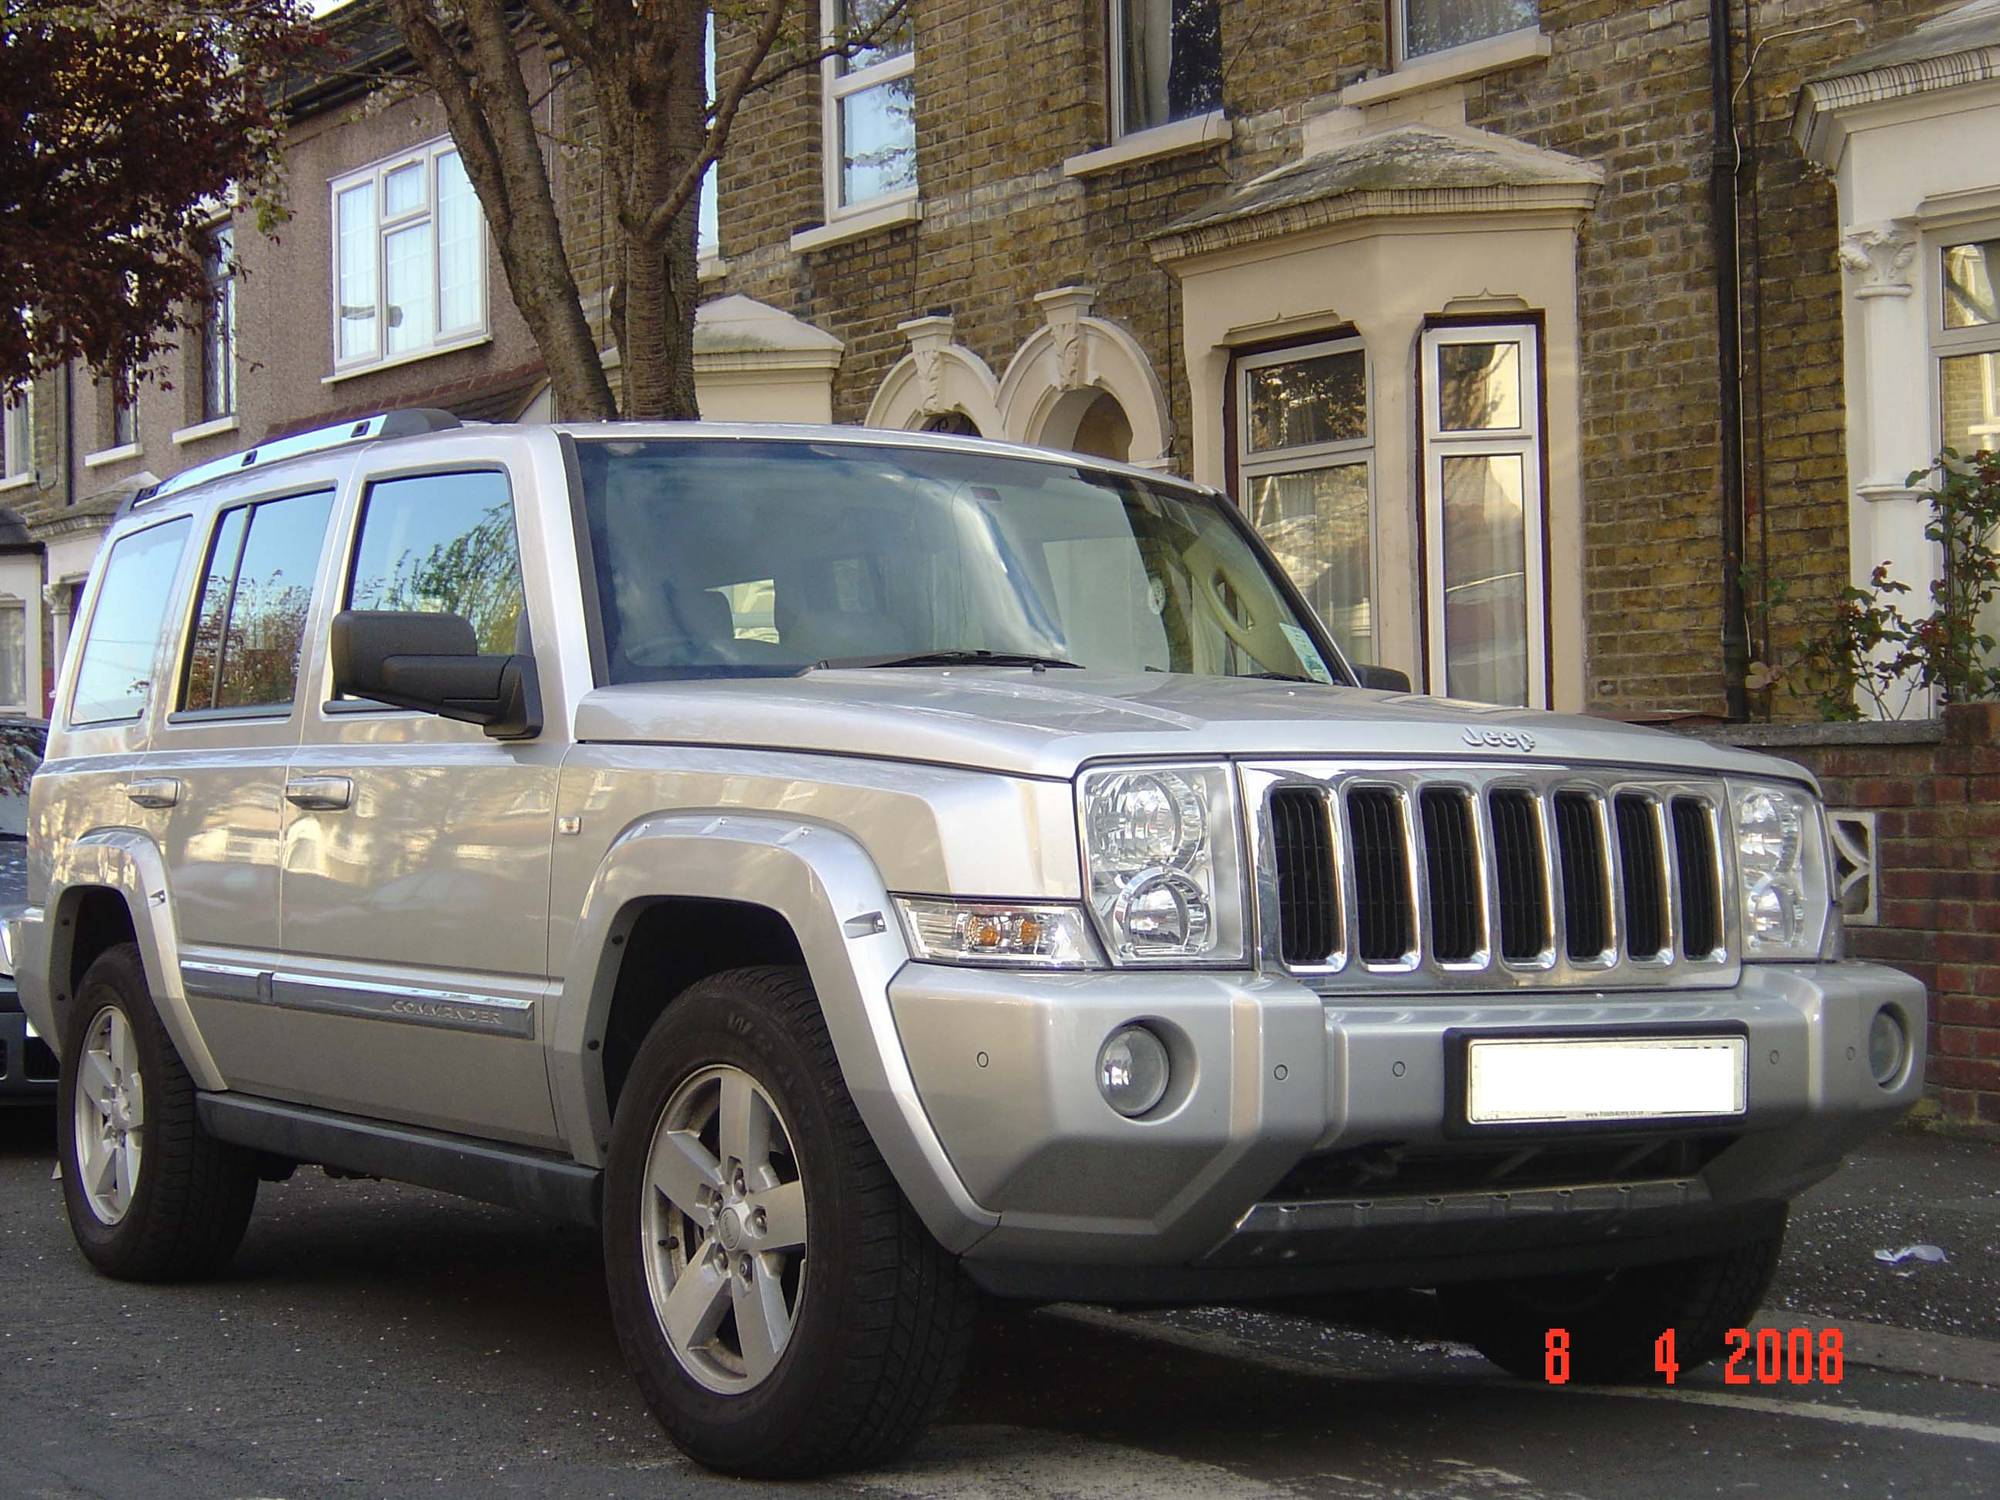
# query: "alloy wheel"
x,y
110,1114
724,1226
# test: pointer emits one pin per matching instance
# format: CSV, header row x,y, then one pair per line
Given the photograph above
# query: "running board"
x,y
536,1182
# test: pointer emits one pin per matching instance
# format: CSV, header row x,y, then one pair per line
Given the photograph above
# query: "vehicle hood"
x,y
1049,723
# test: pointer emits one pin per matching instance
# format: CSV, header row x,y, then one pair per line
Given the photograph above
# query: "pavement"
x,y
374,1339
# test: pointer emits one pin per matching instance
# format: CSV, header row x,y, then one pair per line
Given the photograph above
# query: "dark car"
x,y
27,1066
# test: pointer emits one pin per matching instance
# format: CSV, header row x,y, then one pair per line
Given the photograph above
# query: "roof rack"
x,y
389,424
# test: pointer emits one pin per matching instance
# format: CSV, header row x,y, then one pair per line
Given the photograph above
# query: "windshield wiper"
x,y
1277,676
946,658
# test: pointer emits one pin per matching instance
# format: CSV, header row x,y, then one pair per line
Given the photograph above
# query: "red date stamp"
x,y
1768,1356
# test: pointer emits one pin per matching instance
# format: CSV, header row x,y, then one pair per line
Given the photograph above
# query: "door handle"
x,y
154,791
319,793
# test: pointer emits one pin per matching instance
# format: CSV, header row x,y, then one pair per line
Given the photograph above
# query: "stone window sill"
x,y
110,456
17,481
854,226
395,361
1455,66
710,267
213,428
1146,145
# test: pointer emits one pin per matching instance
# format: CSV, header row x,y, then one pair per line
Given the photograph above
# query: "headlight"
x,y
1781,870
1002,934
1162,862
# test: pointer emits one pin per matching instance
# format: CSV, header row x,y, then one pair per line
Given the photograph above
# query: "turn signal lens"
x,y
1003,934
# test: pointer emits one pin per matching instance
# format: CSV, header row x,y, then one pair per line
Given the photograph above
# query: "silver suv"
x,y
855,869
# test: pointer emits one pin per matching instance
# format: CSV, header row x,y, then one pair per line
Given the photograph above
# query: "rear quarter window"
x,y
114,676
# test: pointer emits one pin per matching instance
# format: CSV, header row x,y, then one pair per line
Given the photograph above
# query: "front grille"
x,y
1645,876
1308,893
1521,873
1586,892
1386,927
1509,878
1395,1169
1695,868
1451,864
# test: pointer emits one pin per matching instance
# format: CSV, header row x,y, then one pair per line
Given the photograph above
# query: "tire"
x,y
179,1208
1615,1318
879,1315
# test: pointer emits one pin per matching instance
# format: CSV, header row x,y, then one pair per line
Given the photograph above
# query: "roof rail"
x,y
390,424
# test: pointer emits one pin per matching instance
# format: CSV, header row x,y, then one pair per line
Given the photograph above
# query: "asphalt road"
x,y
375,1340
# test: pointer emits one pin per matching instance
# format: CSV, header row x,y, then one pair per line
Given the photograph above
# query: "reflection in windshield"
x,y
721,558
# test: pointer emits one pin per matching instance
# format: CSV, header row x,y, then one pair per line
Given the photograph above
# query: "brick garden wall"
x,y
1935,793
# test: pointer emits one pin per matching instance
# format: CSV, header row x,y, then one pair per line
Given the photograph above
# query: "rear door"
x,y
216,774
415,883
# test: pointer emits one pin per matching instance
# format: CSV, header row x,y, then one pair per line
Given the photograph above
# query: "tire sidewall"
x,y
721,1026
115,981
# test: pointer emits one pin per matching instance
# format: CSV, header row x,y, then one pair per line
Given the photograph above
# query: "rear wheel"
x,y
1614,1319
151,1196
781,1306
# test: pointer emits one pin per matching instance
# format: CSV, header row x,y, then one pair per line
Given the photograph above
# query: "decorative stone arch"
x,y
1065,367
937,378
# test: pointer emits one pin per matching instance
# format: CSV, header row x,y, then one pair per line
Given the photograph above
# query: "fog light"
x,y
1132,1071
1888,1047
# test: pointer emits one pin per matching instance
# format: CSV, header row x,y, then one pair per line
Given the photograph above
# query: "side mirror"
x,y
1383,679
432,662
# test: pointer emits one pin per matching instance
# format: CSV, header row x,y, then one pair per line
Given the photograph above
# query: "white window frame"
x,y
1399,34
442,341
229,283
1115,77
1947,342
1258,463
29,623
837,86
1527,441
17,438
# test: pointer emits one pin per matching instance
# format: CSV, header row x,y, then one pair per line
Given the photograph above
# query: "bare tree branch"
x,y
563,26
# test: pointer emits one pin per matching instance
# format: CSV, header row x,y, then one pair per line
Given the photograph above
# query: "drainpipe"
x,y
1728,361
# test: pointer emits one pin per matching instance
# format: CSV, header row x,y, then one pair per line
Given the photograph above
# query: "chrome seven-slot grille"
x,y
1375,878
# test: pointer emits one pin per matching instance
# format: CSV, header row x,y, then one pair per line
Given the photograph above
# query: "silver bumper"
x,y
24,939
1276,1082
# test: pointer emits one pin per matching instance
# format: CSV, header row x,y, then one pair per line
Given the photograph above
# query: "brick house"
x,y
1431,286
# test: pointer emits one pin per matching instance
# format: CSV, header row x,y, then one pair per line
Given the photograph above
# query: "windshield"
x,y
730,558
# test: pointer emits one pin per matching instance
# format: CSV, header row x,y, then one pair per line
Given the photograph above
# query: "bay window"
x,y
1166,62
1966,341
1305,458
871,109
1425,27
409,253
1485,588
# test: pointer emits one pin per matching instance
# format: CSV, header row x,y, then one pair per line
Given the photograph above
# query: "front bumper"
x,y
1308,1141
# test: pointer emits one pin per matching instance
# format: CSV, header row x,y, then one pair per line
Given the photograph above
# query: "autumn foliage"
x,y
124,125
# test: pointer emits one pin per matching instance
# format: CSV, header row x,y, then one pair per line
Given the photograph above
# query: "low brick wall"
x,y
1934,791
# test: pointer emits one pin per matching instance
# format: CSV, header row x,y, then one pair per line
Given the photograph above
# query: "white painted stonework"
x,y
1910,131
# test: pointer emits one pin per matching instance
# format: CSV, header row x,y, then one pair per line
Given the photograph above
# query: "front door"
x,y
415,882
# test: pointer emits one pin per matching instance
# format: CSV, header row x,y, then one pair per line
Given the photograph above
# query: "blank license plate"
x,y
1528,1080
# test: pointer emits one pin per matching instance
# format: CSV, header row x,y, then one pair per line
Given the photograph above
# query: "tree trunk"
x,y
662,128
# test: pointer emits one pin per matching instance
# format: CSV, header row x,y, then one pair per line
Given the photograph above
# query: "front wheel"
x,y
1613,1319
783,1309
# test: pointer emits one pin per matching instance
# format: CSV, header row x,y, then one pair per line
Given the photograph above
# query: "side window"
x,y
442,544
115,675
254,597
